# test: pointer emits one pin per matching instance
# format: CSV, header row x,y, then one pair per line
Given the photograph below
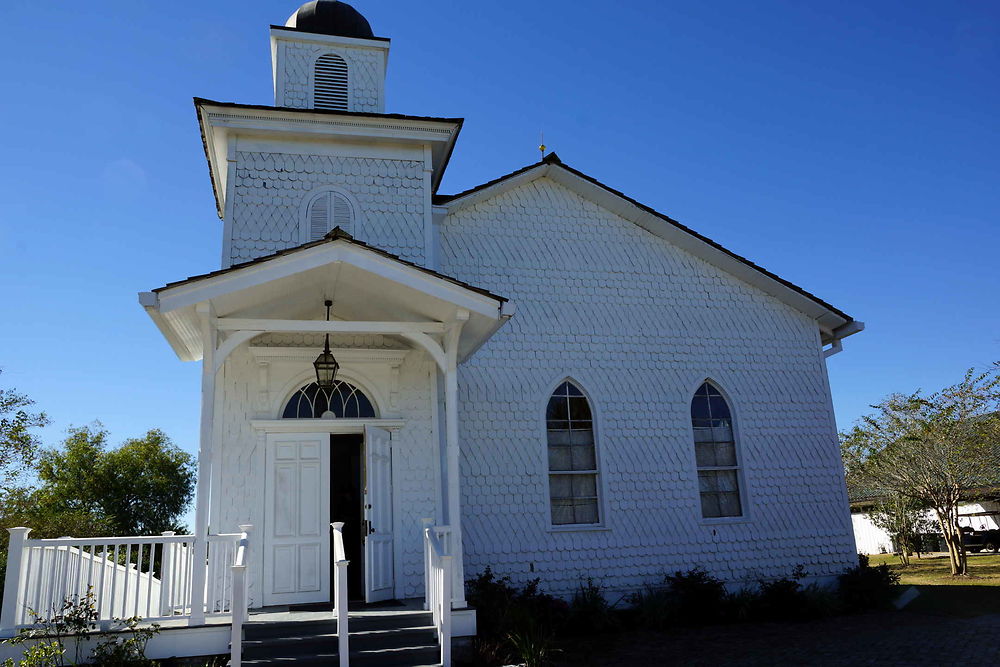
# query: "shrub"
x,y
653,607
492,598
77,618
866,587
699,597
589,611
511,621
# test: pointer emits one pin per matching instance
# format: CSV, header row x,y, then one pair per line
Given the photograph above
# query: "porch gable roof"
x,y
291,284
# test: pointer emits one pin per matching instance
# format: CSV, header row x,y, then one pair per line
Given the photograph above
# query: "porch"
x,y
151,578
398,332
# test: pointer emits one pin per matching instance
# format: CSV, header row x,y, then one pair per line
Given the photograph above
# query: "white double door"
x,y
297,549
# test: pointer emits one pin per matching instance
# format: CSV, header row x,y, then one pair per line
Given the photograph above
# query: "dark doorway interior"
x,y
346,504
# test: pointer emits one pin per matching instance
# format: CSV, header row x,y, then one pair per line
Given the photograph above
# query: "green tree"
x,y
904,519
18,443
931,448
140,488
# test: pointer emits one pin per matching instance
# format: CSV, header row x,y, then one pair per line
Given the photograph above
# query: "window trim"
x,y
316,55
597,424
357,223
747,513
280,398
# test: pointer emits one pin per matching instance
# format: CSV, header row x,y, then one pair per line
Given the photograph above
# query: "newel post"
x,y
167,575
16,563
246,529
425,527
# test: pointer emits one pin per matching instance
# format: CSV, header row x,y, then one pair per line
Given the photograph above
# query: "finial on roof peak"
x,y
337,233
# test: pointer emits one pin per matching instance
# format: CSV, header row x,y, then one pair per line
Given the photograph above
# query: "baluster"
x,y
90,573
149,578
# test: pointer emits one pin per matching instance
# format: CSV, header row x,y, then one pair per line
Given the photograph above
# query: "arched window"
x,y
327,210
330,82
342,401
572,457
715,454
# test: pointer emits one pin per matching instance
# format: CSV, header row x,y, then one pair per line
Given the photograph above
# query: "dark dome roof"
x,y
331,17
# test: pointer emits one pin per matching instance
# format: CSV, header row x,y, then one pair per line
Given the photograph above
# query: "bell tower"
x,y
326,57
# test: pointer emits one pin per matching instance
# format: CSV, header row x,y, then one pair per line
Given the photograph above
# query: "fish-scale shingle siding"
x,y
267,207
365,76
639,324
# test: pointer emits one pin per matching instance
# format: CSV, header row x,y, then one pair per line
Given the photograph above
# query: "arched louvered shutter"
x,y
330,82
328,210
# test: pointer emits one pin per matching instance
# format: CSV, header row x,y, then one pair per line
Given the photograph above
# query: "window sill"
x,y
725,520
578,528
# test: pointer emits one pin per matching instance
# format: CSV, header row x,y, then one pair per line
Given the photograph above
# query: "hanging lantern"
x,y
326,364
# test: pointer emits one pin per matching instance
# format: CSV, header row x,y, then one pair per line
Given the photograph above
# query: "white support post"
x,y
209,335
453,516
12,592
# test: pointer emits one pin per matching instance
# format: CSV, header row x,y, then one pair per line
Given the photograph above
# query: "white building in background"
x,y
573,383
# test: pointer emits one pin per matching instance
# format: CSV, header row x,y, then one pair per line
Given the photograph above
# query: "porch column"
x,y
209,336
453,514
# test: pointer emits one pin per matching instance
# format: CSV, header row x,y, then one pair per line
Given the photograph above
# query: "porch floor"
x,y
324,611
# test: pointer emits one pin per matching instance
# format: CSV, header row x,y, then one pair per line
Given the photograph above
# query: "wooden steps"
x,y
399,638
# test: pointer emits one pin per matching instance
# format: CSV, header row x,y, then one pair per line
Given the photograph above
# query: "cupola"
x,y
327,57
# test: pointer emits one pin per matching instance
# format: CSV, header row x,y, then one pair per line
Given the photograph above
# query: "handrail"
x,y
340,593
438,584
150,576
239,607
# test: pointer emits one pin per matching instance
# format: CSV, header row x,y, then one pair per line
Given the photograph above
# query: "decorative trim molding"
x,y
323,425
394,358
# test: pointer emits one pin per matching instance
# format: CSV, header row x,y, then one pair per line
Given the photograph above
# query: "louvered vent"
x,y
328,210
330,83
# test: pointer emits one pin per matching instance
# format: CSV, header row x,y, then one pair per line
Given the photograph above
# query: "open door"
x,y
297,519
378,515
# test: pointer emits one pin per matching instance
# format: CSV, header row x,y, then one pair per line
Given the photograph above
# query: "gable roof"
x,y
835,323
336,234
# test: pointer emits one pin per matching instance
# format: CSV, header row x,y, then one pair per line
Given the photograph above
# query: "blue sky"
x,y
850,147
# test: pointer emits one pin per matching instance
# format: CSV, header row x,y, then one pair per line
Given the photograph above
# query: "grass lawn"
x,y
941,593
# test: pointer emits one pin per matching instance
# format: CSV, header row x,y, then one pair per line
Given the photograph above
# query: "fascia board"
x,y
478,196
430,285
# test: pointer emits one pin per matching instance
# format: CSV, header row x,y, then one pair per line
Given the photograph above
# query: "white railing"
x,y
340,593
438,583
149,577
239,597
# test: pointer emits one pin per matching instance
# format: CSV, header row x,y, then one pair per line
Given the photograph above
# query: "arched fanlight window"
x,y
715,454
572,451
327,210
342,401
330,82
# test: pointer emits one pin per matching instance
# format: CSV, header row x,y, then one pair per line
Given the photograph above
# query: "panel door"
x,y
378,515
297,519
